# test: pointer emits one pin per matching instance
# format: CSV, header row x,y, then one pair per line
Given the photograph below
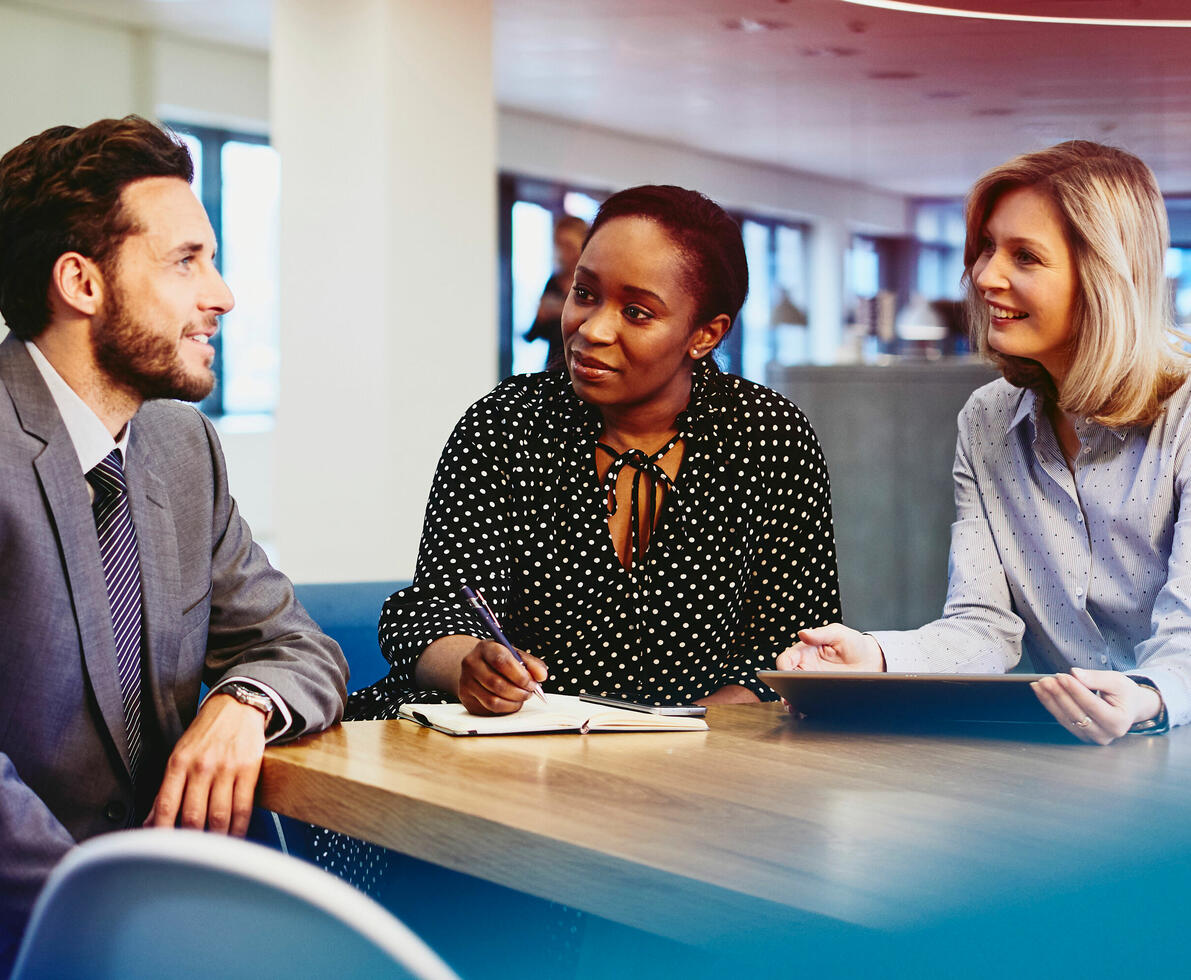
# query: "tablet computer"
x,y
856,696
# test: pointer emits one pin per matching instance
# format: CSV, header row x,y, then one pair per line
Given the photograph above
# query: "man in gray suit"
x,y
127,577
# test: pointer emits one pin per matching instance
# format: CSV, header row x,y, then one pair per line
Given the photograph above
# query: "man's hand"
x,y
491,682
210,779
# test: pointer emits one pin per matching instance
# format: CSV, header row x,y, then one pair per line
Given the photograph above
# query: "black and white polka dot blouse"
x,y
742,556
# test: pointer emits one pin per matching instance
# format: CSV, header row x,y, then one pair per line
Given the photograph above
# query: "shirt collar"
x,y
91,439
1027,408
699,415
1031,405
702,403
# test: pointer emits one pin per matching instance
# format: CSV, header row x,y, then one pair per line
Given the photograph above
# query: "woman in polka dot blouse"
x,y
642,524
1071,472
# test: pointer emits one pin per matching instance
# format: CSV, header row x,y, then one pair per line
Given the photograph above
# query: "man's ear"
x,y
705,338
76,283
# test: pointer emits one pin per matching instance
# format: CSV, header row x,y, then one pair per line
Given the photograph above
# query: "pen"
x,y
480,606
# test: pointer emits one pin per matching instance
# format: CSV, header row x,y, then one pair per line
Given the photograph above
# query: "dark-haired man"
x,y
127,576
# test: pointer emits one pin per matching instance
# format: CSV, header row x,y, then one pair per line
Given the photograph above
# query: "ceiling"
x,y
908,102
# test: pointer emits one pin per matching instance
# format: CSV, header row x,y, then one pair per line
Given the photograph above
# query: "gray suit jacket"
x,y
212,606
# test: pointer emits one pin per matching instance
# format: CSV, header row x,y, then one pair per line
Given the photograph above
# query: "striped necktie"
x,y
122,570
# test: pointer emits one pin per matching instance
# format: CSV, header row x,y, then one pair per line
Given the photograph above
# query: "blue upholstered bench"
x,y
348,612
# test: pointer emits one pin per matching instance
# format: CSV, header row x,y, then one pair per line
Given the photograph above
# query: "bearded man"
x,y
127,576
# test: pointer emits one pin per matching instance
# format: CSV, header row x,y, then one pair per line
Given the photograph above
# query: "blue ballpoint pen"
x,y
480,606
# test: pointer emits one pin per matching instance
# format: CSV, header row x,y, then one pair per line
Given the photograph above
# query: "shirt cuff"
x,y
282,720
898,653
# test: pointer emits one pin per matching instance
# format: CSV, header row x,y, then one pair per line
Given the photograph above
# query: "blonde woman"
x,y
1072,537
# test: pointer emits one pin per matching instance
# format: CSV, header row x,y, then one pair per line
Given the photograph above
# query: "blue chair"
x,y
164,903
348,612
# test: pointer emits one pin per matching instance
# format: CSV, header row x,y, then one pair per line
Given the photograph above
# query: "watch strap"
x,y
251,696
1160,723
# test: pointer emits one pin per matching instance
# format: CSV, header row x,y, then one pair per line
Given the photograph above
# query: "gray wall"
x,y
889,436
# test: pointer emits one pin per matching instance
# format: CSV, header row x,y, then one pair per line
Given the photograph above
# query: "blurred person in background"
x,y
569,234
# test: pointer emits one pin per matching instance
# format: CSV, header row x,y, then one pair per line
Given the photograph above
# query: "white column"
x,y
829,242
384,115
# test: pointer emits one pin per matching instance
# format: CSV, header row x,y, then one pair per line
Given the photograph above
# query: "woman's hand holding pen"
x,y
492,682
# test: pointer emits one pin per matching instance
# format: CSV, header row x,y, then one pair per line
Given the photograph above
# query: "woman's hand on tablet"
x,y
1097,706
833,647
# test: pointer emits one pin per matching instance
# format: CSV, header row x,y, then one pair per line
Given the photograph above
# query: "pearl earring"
x,y
695,352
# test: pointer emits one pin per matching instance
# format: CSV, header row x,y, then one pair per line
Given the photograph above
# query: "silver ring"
x,y
1082,724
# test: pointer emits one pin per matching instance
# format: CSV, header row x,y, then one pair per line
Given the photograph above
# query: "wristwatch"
x,y
1160,723
249,695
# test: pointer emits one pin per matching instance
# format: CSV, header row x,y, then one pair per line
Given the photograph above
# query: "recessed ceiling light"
x,y
830,52
923,8
750,26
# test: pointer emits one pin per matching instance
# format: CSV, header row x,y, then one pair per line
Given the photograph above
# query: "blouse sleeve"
x,y
794,583
1164,658
465,537
979,632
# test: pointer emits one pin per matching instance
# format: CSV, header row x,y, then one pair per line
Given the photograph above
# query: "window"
x,y
1178,271
904,292
868,299
862,268
529,209
939,231
238,179
773,324
1178,258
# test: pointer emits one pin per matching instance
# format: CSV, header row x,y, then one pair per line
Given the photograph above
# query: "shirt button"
x,y
1080,518
115,811
1086,450
1103,659
1079,592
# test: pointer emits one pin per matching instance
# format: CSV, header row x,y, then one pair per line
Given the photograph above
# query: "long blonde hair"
x,y
1123,363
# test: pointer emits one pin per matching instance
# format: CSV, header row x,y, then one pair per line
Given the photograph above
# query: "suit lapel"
x,y
161,583
65,489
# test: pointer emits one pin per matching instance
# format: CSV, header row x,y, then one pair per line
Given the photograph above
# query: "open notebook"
x,y
561,713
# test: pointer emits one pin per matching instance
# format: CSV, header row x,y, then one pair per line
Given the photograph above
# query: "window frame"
x,y
212,140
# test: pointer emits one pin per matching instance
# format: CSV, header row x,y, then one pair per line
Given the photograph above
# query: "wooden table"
x,y
764,826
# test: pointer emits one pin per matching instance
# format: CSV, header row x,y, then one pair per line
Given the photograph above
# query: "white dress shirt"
x,y
92,441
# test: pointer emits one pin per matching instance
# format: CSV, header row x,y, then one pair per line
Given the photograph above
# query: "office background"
x,y
392,120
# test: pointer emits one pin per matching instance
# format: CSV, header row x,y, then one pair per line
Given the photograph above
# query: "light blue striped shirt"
x,y
1090,568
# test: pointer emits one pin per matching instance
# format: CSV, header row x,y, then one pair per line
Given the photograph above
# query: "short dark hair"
x,y
60,192
706,235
